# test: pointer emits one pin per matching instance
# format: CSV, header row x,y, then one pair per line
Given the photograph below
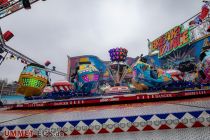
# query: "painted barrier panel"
x,y
176,120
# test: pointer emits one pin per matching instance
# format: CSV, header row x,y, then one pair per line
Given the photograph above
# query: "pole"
x,y
1,90
124,73
190,18
12,51
111,74
3,58
118,73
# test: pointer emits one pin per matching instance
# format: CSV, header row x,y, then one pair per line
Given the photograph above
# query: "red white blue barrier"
x,y
176,120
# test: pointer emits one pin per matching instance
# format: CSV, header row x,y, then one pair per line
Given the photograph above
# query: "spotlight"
x,y
26,4
8,35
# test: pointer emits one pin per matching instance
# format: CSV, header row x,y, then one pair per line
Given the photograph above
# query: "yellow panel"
x,y
84,59
82,67
29,91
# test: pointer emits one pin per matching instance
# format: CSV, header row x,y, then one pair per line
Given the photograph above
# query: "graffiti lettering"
x,y
170,41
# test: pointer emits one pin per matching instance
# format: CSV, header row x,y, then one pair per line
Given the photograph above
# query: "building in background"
x,y
8,88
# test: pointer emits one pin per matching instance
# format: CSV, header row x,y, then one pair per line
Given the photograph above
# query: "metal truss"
x,y
11,7
10,50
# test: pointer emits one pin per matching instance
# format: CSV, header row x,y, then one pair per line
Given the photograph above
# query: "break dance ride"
x,y
177,66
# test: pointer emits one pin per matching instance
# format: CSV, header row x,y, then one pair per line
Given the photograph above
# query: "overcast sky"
x,y
53,29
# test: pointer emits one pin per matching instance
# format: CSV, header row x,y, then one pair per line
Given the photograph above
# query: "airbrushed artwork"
x,y
89,74
110,96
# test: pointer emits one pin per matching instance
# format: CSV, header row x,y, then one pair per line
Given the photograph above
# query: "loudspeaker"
x,y
26,4
8,35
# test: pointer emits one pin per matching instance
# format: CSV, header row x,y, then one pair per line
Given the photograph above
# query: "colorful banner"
x,y
190,52
171,41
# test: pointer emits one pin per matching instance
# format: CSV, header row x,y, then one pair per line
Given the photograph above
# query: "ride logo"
x,y
170,41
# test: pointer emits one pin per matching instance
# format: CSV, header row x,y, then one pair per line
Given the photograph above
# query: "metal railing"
x,y
198,30
23,57
12,6
10,50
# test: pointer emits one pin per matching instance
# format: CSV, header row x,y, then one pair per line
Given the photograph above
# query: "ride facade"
x,y
177,60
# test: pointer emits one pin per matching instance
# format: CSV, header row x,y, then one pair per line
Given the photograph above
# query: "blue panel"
x,y
162,116
97,63
147,117
208,111
61,124
118,119
132,118
11,127
195,114
74,123
48,125
88,122
179,115
35,125
101,120
23,126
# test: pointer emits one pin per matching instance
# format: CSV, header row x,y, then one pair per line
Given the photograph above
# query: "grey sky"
x,y
53,29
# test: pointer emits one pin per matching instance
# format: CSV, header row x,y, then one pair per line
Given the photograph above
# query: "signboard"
x,y
170,41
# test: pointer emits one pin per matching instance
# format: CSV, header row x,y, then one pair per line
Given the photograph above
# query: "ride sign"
x,y
170,41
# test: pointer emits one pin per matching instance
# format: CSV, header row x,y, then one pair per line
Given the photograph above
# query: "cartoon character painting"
x,y
144,76
87,76
205,69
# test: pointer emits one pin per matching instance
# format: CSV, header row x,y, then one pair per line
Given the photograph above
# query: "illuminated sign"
x,y
170,41
32,82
